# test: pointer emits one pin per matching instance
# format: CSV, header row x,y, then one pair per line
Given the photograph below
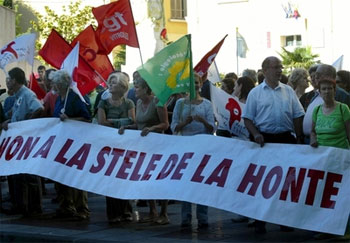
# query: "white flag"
x,y
338,64
21,48
228,112
70,64
213,73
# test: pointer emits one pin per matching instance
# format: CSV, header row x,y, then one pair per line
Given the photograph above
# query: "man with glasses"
x,y
273,114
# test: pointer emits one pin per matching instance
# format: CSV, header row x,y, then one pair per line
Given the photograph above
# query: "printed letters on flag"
x,y
21,48
89,51
115,26
56,50
202,67
170,70
228,112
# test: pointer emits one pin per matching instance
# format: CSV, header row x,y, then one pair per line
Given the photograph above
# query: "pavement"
x,y
15,228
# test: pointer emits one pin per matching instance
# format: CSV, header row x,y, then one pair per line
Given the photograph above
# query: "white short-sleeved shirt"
x,y
273,110
307,122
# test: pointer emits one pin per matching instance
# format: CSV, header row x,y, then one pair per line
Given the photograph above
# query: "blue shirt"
x,y
74,107
273,110
25,104
8,104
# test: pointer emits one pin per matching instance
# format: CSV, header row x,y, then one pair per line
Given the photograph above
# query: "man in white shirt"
x,y
273,114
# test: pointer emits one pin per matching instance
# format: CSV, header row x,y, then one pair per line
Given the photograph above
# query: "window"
x,y
178,9
291,40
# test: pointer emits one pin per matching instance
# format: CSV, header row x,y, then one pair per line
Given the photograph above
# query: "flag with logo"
x,y
170,70
242,47
116,26
21,48
228,112
55,51
89,51
202,67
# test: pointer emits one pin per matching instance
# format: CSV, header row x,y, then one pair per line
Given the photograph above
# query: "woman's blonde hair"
x,y
120,77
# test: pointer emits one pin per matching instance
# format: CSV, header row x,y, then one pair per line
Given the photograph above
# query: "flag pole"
x,y
191,72
65,101
137,38
237,48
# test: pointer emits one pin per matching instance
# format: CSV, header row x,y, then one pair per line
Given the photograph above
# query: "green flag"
x,y
170,70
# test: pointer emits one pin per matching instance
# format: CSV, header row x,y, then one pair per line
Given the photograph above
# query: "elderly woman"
x,y
191,117
72,202
149,118
330,127
299,81
117,111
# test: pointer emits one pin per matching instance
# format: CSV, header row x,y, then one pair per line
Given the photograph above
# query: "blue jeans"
x,y
186,213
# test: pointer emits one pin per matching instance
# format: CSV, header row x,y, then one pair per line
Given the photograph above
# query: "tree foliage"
x,y
7,3
301,57
69,24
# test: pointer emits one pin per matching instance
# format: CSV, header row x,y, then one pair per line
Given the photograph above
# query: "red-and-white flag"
x,y
55,51
21,48
70,64
228,112
89,51
202,67
116,26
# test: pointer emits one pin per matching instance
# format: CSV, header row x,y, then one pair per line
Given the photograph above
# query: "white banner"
x,y
228,112
293,185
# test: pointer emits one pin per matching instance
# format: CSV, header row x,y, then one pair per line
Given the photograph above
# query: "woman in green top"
x,y
117,111
331,120
330,127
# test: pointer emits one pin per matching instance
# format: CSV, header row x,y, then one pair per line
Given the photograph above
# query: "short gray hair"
x,y
61,78
296,75
251,74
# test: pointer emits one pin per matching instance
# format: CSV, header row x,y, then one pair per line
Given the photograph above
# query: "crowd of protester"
x,y
277,110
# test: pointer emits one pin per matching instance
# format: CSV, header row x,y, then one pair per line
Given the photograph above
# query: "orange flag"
x,y
89,51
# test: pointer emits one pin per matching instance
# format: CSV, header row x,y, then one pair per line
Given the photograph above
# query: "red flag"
x,y
202,67
115,26
34,86
89,49
55,49
54,52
